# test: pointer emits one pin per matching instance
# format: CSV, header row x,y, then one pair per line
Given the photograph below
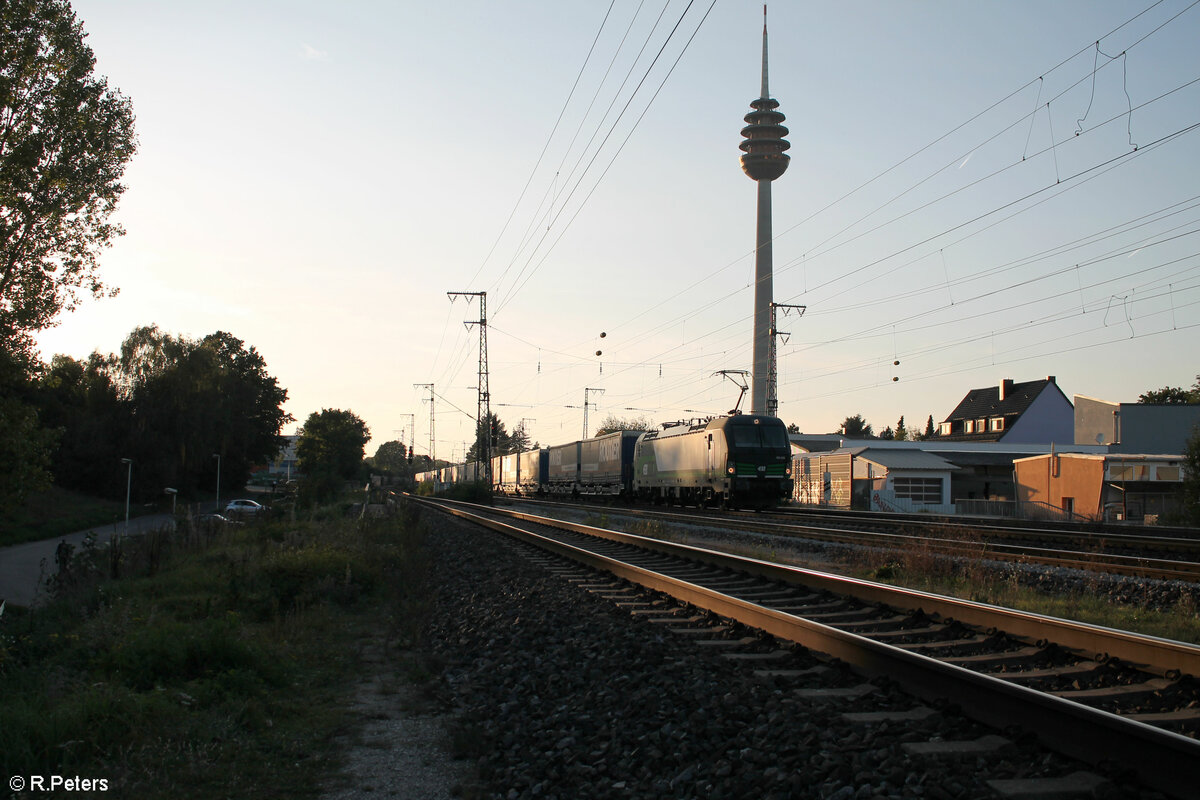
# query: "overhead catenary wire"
x,y
545,146
660,355
918,152
645,361
518,283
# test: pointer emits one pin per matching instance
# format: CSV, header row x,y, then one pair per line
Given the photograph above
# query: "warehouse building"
x,y
1112,487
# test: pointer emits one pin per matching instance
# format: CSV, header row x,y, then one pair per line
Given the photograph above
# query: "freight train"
x,y
742,460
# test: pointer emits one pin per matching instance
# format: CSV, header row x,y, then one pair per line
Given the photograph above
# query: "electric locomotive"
x,y
743,460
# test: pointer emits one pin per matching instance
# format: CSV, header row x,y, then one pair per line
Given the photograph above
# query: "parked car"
x,y
247,508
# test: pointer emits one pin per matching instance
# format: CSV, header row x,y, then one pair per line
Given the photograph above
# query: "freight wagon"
x,y
739,460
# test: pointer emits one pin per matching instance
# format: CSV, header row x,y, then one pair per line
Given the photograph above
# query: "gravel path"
x,y
399,750
560,693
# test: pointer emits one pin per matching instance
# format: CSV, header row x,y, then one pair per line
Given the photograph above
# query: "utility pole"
x,y
483,406
432,451
585,409
412,433
773,369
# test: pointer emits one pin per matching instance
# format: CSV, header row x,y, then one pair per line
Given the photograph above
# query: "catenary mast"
x,y
763,161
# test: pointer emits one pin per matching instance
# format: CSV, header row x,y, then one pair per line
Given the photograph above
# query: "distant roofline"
x,y
962,446
1096,400
1109,456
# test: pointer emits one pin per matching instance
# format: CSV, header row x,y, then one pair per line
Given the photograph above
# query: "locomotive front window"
x,y
757,436
745,436
775,437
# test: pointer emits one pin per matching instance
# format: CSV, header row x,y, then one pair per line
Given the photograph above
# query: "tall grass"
x,y
204,663
973,576
56,512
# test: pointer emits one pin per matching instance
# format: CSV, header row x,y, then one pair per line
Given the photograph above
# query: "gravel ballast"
x,y
560,693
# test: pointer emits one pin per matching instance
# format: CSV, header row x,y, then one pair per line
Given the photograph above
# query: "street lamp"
x,y
217,456
128,482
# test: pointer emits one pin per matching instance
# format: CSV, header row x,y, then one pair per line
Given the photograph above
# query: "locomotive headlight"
x,y
730,469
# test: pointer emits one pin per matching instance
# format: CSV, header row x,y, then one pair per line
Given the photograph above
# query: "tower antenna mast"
x,y
763,161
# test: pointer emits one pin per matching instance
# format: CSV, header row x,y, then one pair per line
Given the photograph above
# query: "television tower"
x,y
763,162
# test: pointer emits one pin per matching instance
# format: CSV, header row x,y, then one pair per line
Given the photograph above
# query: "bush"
x,y
474,492
219,668
176,652
299,578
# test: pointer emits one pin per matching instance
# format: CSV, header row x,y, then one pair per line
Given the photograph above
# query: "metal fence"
x,y
1017,509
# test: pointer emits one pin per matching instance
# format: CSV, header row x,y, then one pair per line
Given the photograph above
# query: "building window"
x,y
944,429
919,490
1068,505
1167,473
996,424
1128,472
969,426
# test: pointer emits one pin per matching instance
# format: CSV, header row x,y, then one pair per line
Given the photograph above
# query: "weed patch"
x,y
971,575
217,664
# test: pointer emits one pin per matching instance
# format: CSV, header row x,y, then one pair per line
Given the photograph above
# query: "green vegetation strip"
x,y
220,664
57,512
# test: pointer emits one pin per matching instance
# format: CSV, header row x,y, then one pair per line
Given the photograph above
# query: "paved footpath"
x,y
21,565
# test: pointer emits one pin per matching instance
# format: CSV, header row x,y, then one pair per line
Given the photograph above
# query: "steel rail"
x,y
1115,563
1167,536
1187,539
1164,760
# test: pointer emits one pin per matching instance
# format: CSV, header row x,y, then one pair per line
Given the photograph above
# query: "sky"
x,y
977,191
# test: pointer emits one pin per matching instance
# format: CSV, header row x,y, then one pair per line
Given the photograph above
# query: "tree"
x,y
248,404
901,431
191,400
929,429
169,403
24,452
1173,395
501,441
331,444
1189,511
519,441
79,399
793,428
613,423
391,457
24,445
65,139
857,428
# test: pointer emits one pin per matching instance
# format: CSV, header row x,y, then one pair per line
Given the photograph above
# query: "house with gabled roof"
x,y
1030,412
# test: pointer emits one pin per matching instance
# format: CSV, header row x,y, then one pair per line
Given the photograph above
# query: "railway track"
x,y
1094,694
1159,557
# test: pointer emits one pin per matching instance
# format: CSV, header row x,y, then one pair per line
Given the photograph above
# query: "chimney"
x,y
1049,379
1006,387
